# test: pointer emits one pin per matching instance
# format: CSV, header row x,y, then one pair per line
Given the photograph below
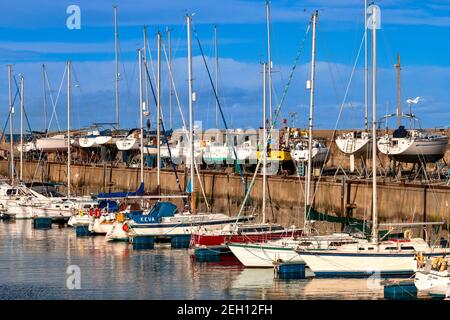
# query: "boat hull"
x,y
127,144
434,283
358,147
52,144
413,150
199,239
346,264
187,227
263,256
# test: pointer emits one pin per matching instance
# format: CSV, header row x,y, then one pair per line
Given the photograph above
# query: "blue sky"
x,y
35,32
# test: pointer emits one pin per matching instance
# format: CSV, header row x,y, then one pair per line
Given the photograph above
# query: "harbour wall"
x,y
224,192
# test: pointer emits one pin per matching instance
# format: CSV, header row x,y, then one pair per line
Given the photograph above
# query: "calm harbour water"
x,y
33,265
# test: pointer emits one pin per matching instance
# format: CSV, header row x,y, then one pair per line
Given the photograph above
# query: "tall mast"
x,y
11,114
374,127
169,43
191,113
366,72
145,68
21,126
45,97
264,150
158,126
141,105
269,59
311,112
399,106
116,41
217,75
68,129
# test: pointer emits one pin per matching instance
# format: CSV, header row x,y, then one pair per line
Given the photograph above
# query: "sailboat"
x,y
413,145
164,219
88,140
393,257
245,232
300,151
264,254
356,144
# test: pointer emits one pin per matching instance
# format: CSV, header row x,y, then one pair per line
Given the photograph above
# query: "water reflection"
x,y
33,265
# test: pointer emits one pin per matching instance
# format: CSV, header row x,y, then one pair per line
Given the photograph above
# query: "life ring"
x,y
125,227
80,212
91,211
97,212
419,258
435,263
407,234
442,264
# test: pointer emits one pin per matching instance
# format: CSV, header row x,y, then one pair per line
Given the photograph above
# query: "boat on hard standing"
x,y
413,145
88,140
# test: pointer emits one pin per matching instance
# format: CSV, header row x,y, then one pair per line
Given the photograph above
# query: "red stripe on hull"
x,y
216,240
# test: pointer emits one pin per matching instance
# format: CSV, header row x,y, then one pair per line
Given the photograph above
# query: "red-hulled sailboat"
x,y
243,233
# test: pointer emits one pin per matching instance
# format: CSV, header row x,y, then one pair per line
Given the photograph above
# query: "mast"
x,y
141,105
191,113
217,75
45,97
158,126
399,106
269,59
169,43
116,41
264,150
68,129
374,128
11,114
21,126
366,72
145,67
310,84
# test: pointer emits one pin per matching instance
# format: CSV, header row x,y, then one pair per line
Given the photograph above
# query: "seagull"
x,y
415,101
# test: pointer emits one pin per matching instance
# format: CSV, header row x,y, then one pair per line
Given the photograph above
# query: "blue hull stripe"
x,y
186,224
361,274
347,254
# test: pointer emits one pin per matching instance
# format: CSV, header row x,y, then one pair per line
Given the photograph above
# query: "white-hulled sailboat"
x,y
264,255
386,258
413,145
164,219
433,276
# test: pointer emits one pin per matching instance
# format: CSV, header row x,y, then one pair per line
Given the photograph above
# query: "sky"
x,y
33,33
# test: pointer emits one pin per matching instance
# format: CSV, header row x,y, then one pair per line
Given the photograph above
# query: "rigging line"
x,y
165,137
125,77
78,85
291,75
339,115
152,67
184,123
221,111
54,101
174,87
276,115
178,43
20,97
